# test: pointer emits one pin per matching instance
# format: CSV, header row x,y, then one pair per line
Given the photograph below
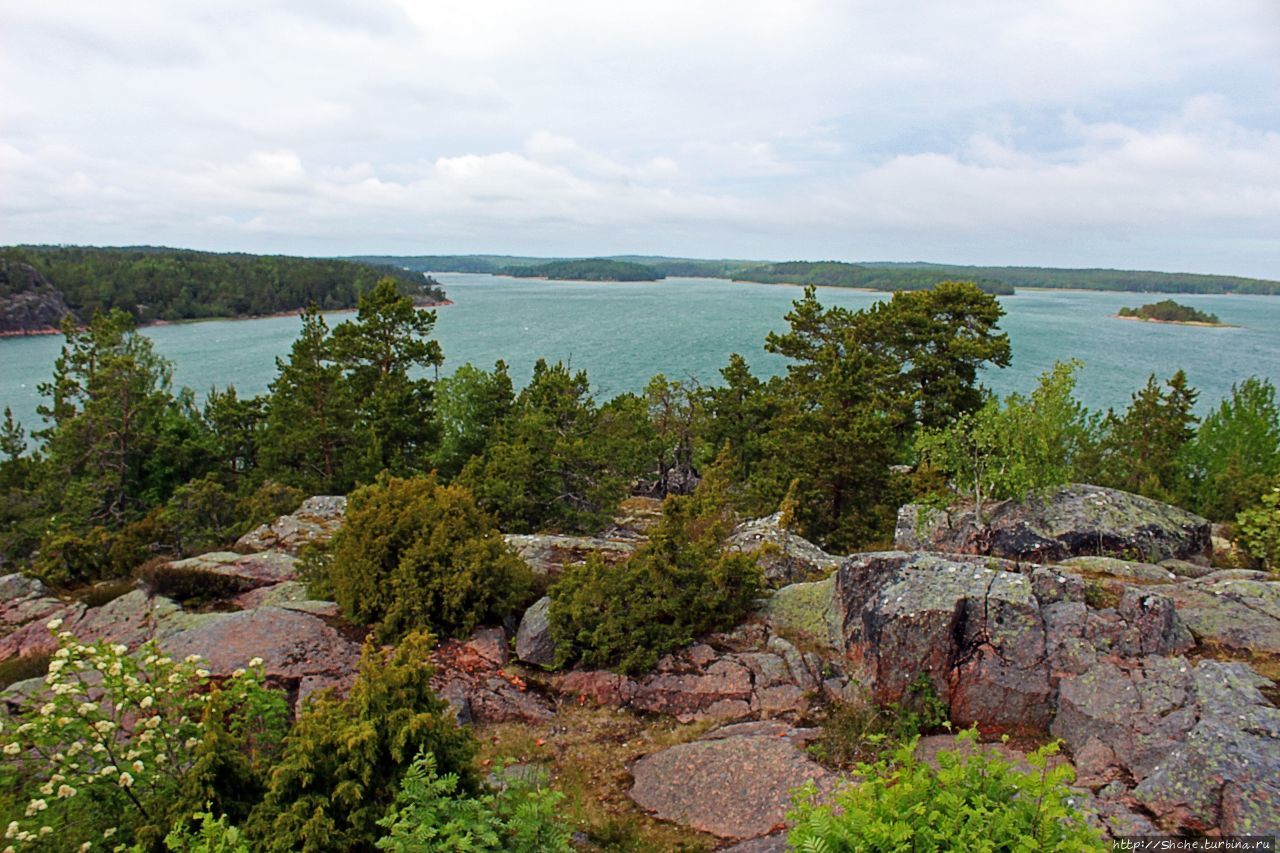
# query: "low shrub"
x,y
344,760
678,585
431,813
413,554
862,731
1259,529
973,801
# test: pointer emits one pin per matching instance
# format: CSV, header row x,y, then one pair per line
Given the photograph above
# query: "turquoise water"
x,y
623,333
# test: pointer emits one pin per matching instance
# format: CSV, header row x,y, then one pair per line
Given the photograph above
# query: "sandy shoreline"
x,y
34,333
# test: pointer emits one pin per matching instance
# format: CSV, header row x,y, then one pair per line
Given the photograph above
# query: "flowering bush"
x,y
104,756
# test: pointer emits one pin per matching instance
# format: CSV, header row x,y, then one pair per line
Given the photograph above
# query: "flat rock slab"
x,y
1237,613
250,570
548,555
736,788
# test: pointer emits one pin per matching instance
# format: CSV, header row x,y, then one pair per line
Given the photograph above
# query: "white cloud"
x,y
1092,133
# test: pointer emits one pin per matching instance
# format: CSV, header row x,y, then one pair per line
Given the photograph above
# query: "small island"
x,y
588,269
1168,311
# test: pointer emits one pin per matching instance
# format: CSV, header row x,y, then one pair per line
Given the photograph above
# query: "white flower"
x,y
45,830
75,748
146,702
115,670
255,662
53,624
47,709
192,659
120,650
55,666
138,767
86,847
108,832
104,726
236,673
152,722
87,707
126,780
12,830
36,806
66,791
47,789
97,747
202,673
12,748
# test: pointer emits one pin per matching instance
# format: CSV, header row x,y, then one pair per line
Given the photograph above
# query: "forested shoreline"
x,y
156,284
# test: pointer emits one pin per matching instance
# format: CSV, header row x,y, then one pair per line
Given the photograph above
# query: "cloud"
x,y
1091,133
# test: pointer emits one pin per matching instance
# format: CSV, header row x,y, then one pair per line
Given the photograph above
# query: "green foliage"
x,y
558,462
974,801
678,585
1259,529
1005,451
344,760
470,405
344,406
863,730
413,554
213,836
118,745
588,269
842,274
171,284
1169,311
430,813
1143,450
1236,451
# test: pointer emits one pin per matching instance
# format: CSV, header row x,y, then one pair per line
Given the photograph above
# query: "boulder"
x,y
24,600
1198,744
1064,522
220,571
298,649
291,595
735,787
784,557
316,520
547,555
533,639
807,610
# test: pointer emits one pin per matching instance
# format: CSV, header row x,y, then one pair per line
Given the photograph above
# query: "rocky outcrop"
x,y
224,572
734,783
316,520
23,600
1065,522
784,557
547,555
1198,746
29,304
473,677
748,673
1238,611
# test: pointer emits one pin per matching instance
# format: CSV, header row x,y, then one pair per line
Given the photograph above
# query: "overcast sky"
x,y
1080,133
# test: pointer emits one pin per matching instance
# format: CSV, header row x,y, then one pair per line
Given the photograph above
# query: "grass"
x,y
588,751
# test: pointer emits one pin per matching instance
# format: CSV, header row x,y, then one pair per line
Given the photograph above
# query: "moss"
x,y
806,611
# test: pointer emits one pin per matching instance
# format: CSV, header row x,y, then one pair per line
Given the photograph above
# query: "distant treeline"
x,y
590,269
876,275
152,283
841,274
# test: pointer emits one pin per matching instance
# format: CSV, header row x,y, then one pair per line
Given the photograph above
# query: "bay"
x,y
624,333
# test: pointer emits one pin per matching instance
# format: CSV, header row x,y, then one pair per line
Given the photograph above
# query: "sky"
x,y
1091,133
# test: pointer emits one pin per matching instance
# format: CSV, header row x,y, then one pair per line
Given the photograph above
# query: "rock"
x,y
736,787
316,520
1184,569
291,595
1121,570
24,600
227,570
1200,743
636,517
1236,611
806,610
296,648
472,677
29,304
975,633
784,557
776,843
1069,521
533,639
548,555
